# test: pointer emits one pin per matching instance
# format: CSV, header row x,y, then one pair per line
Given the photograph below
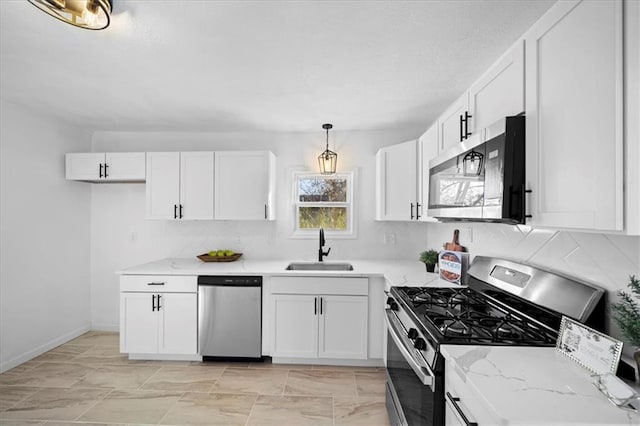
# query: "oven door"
x,y
412,388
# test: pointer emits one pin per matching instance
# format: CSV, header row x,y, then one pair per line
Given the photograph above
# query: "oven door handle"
x,y
425,375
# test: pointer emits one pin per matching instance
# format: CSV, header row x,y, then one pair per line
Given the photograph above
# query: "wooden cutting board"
x,y
454,245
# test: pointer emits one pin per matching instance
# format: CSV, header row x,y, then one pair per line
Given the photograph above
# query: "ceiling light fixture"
x,y
87,14
328,159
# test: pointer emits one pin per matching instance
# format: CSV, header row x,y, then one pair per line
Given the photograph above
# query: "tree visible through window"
x,y
323,202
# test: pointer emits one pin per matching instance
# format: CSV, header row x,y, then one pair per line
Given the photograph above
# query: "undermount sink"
x,y
319,266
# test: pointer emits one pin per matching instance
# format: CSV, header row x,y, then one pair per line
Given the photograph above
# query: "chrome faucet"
x,y
321,253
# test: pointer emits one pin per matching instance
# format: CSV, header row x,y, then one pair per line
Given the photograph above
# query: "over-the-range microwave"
x,y
482,178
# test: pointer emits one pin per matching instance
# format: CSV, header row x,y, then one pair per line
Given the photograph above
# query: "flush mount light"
x,y
87,14
328,159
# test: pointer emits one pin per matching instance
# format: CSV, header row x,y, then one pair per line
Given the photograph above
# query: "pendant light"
x,y
328,159
472,163
87,14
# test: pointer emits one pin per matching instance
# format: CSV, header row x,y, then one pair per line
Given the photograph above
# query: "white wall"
x,y
604,260
121,236
44,227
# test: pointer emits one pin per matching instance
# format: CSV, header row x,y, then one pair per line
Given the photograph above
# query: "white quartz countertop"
x,y
534,386
396,272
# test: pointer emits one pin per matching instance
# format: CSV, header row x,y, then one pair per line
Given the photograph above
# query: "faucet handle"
x,y
327,252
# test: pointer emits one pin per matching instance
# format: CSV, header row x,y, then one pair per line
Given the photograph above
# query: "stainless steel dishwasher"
x,y
230,317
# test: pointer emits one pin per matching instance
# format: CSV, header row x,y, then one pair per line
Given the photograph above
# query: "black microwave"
x,y
482,178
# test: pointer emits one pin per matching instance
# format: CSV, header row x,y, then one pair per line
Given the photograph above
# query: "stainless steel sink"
x,y
319,266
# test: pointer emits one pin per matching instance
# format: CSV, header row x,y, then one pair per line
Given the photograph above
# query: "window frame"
x,y
312,233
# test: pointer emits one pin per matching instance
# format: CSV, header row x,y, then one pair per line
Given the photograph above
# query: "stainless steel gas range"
x,y
505,303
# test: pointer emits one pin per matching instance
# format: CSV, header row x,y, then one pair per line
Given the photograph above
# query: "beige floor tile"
x,y
62,353
232,364
102,338
11,395
21,422
117,376
26,366
347,368
240,380
100,355
360,411
56,423
137,406
193,378
371,384
55,404
269,364
210,409
320,382
60,375
291,410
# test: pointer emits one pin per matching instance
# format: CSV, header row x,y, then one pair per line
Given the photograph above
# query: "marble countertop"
x,y
396,272
534,386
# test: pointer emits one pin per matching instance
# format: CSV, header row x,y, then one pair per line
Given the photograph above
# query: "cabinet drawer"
x,y
159,283
320,285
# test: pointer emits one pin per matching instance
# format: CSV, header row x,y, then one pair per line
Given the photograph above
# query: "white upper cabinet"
x,y
179,185
244,185
574,107
452,127
500,91
106,167
396,180
196,185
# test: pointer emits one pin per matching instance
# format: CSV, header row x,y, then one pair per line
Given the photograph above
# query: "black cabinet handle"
x,y
467,116
454,402
153,302
155,283
315,306
175,211
266,215
321,306
461,128
100,173
525,191
159,296
418,211
180,215
411,211
106,166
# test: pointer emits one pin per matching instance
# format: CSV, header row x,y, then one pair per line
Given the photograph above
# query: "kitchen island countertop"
x,y
534,386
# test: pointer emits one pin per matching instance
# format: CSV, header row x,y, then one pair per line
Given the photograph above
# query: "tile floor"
x,y
87,381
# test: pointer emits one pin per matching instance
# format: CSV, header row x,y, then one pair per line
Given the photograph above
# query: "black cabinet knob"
x,y
413,333
420,344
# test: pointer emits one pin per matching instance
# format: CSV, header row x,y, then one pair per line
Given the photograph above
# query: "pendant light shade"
x,y
328,159
472,163
87,14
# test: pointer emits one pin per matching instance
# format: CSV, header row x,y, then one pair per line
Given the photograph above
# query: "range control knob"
x,y
392,303
420,344
412,333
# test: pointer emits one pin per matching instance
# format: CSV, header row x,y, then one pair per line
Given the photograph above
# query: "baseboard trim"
x,y
372,362
20,359
165,357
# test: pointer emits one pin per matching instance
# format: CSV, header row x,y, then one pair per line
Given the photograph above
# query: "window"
x,y
323,201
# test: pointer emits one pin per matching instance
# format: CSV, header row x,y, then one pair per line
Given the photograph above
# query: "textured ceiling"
x,y
256,65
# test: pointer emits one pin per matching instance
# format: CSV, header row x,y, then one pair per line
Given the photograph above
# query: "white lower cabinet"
x,y
158,315
318,317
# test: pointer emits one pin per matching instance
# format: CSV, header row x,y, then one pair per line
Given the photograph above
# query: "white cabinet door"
x,y
574,116
138,323
343,327
449,123
178,329
295,326
163,185
396,182
128,166
244,185
500,91
428,150
196,185
84,165
451,418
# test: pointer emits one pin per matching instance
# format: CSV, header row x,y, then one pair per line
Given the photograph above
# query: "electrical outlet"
x,y
389,238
